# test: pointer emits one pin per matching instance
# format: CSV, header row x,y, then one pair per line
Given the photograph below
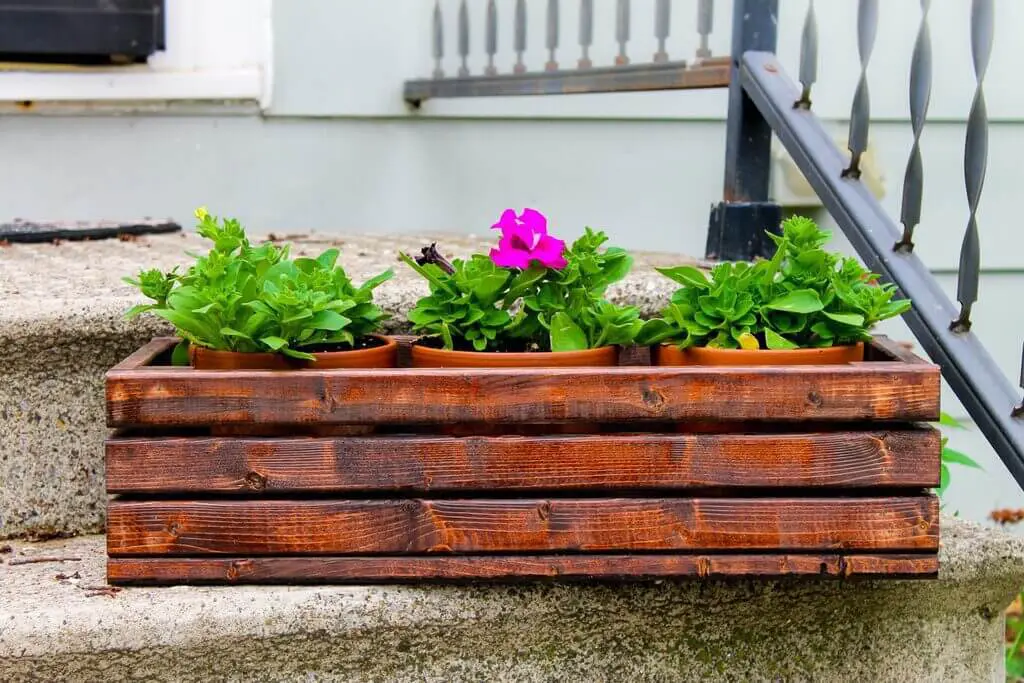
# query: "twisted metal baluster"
x,y
808,57
1018,411
662,23
622,16
438,40
867,23
975,162
492,38
920,95
586,33
552,42
464,39
520,36
705,25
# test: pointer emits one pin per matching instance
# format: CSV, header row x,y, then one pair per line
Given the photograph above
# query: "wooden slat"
x,y
884,348
275,527
899,457
860,391
157,571
145,355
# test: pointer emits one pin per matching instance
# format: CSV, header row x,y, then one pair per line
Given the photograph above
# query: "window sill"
x,y
129,84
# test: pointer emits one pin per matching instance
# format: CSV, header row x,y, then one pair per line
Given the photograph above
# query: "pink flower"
x,y
525,239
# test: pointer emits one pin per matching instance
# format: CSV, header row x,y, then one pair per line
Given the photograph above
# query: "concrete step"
x,y
56,625
62,328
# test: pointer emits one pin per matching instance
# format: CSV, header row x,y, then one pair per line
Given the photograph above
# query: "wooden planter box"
x,y
636,471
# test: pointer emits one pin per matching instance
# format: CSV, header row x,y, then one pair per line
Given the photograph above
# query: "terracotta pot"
x,y
209,359
427,357
382,356
666,354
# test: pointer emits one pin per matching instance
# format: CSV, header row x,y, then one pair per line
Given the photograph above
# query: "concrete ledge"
x,y
62,328
945,630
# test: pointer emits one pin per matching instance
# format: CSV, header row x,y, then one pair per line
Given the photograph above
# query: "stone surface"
x,y
62,328
944,630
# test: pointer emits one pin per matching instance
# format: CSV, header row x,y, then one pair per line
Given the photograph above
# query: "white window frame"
x,y
216,50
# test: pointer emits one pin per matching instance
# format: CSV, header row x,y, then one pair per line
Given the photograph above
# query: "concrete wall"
x,y
294,121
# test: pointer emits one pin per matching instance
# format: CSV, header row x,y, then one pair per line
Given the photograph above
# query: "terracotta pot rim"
x,y
388,341
600,356
704,355
277,361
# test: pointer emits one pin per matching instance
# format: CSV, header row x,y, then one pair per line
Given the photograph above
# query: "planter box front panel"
x,y
405,474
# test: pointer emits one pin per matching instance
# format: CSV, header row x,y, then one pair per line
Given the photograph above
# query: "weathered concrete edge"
x,y
982,569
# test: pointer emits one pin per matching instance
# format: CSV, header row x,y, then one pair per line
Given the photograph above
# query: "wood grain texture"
x,y
146,354
164,571
898,457
170,397
276,527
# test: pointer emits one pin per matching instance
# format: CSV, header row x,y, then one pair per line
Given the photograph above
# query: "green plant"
x,y
950,456
240,297
1014,656
802,297
478,304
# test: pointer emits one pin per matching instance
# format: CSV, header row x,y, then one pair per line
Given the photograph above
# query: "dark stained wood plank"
x,y
883,348
275,527
163,571
860,391
898,457
145,355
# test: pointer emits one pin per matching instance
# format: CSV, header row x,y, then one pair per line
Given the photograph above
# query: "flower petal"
x,y
550,252
510,258
536,223
507,221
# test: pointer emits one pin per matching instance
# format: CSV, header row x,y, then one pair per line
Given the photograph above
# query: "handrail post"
x,y
737,224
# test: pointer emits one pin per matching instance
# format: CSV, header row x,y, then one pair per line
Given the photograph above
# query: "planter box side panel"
x,y
389,569
897,457
414,526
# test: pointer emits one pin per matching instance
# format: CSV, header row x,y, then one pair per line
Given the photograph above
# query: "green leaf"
x,y
686,275
328,258
376,281
823,330
947,420
566,335
446,337
943,480
953,457
656,331
328,320
298,317
190,324
773,340
523,282
851,319
137,309
295,353
434,278
274,343
180,355
231,332
797,301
